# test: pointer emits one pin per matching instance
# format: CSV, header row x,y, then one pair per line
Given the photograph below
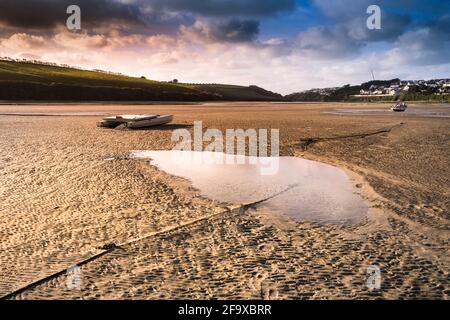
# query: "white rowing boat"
x,y
134,121
157,121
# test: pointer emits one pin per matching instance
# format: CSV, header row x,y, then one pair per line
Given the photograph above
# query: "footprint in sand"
x,y
255,282
266,247
269,291
262,286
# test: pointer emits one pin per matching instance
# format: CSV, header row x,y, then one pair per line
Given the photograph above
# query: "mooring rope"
x,y
306,142
237,209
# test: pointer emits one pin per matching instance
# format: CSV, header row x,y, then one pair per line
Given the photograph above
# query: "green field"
x,y
30,81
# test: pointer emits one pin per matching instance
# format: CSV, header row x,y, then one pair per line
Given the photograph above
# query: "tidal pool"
x,y
302,189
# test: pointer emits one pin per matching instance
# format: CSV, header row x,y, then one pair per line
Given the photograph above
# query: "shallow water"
x,y
301,189
442,112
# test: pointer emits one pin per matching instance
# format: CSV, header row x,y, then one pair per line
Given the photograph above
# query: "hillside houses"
x,y
380,90
436,86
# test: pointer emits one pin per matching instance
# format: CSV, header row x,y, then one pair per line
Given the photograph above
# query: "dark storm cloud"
x,y
234,20
224,7
421,31
428,43
350,16
393,25
327,42
234,30
442,26
343,9
347,38
47,14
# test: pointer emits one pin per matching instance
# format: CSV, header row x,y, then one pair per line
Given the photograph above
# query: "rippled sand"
x,y
62,202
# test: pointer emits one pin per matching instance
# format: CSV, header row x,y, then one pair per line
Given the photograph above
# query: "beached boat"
x,y
134,121
399,107
157,121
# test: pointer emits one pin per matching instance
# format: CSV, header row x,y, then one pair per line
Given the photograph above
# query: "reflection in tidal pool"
x,y
315,191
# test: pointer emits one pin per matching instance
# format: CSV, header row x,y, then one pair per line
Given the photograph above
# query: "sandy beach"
x,y
69,191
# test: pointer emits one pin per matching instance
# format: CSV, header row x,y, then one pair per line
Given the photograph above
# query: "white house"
x,y
364,92
392,92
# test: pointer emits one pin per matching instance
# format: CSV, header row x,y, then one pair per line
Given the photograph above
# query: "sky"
x,y
282,45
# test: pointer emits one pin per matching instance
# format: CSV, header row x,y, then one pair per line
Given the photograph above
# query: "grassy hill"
x,y
30,81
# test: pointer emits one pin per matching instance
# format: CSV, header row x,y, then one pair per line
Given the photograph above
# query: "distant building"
x,y
364,92
392,92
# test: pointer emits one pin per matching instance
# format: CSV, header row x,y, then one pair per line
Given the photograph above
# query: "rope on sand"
x,y
109,248
305,143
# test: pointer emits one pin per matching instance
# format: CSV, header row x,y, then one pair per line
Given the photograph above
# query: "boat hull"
x,y
150,122
399,107
134,123
107,124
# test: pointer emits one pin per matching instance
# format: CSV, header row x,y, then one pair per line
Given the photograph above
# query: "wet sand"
x,y
69,190
434,111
